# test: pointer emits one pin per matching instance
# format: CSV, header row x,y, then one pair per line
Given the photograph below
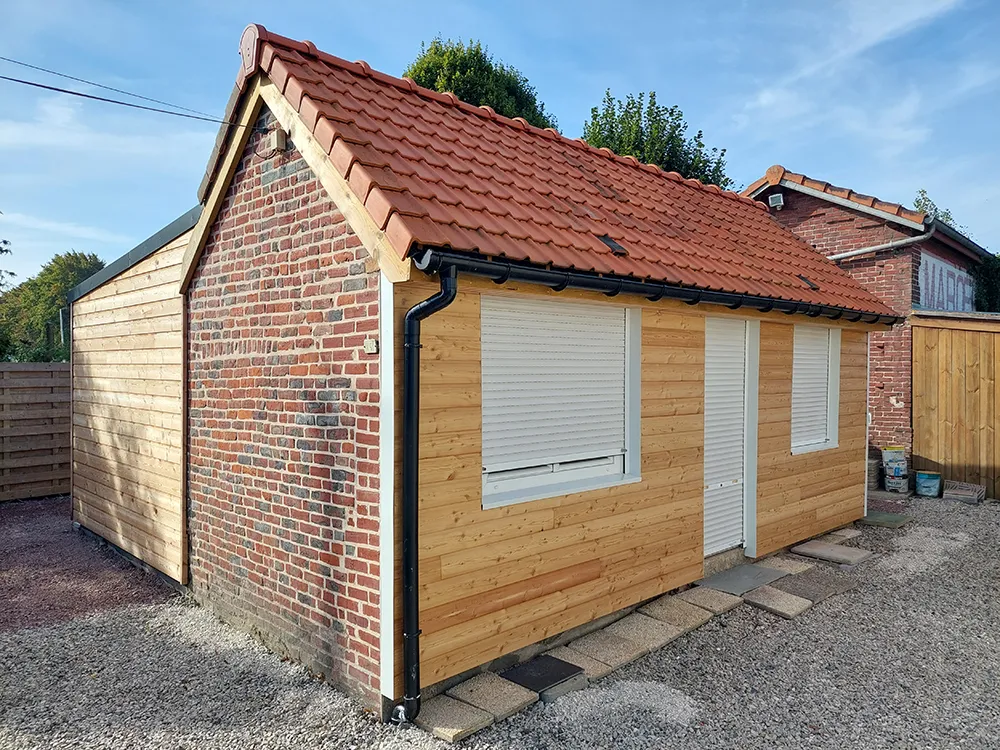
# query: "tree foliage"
x,y
924,203
29,313
654,134
5,276
474,76
986,281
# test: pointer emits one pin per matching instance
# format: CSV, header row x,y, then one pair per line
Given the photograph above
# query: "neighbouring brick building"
x,y
909,260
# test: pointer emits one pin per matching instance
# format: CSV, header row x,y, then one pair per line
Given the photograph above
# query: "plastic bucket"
x,y
928,483
897,484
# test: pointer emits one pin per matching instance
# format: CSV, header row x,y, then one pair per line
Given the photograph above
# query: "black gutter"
x,y
501,271
408,710
140,252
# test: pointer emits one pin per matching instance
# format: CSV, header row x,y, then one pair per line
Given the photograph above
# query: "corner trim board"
x,y
387,487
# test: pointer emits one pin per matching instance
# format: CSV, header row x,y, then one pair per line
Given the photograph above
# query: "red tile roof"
x,y
435,171
777,173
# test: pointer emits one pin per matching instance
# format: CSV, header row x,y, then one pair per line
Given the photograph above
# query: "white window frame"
x,y
832,438
557,479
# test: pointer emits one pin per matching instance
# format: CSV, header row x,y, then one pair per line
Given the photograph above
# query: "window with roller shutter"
x,y
815,388
559,408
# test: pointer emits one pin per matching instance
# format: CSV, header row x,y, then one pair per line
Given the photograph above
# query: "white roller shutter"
x,y
725,406
815,387
553,379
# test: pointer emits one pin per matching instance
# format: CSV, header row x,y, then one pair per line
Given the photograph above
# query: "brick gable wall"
x,y
283,423
892,276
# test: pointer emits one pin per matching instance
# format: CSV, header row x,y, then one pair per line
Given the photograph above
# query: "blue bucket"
x,y
928,483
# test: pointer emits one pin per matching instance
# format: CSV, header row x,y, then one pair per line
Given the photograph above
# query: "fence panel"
x,y
34,429
956,364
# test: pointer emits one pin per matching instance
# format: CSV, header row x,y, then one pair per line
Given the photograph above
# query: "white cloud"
x,y
61,228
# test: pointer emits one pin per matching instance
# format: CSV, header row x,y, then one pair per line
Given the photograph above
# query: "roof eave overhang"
x,y
501,271
959,241
840,202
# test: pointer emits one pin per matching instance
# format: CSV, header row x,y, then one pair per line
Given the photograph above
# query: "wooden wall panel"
x,y
805,495
34,429
493,581
127,411
955,392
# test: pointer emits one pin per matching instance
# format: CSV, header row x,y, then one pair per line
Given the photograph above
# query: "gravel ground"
x,y
909,659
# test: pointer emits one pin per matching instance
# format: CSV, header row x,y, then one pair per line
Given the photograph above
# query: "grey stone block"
x,y
677,612
777,602
714,601
815,585
578,682
492,693
835,553
737,581
847,533
790,565
451,720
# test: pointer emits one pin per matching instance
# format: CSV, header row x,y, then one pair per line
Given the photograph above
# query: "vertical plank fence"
x,y
956,388
34,429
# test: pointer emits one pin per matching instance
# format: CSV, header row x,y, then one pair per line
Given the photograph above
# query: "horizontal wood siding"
x,y
127,411
801,496
955,392
493,581
34,430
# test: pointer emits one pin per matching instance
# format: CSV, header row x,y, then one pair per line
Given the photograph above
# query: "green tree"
x,y
654,134
29,313
5,276
474,76
924,203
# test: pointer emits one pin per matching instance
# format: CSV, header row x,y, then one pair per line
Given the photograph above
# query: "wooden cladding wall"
x,y
493,581
956,363
127,411
34,430
801,496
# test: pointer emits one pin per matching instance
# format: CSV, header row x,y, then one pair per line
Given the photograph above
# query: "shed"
x,y
457,385
127,373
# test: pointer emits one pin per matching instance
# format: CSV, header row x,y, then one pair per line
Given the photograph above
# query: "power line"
x,y
114,101
102,86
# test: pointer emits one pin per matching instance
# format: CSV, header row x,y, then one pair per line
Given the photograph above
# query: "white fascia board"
x,y
387,489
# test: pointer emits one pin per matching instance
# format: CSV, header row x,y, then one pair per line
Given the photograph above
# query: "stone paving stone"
x,y
888,520
787,563
492,693
609,649
578,682
451,720
847,533
831,539
677,612
714,601
815,585
644,631
593,668
836,553
777,602
741,579
541,673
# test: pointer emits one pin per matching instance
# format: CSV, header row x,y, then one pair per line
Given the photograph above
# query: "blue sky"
x,y
883,96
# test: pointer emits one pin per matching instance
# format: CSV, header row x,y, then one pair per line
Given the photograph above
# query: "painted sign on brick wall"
x,y
944,286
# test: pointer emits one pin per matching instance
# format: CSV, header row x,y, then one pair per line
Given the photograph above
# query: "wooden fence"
x,y
34,430
956,388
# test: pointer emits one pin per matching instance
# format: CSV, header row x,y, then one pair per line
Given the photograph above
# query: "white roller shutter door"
x,y
725,407
553,380
814,387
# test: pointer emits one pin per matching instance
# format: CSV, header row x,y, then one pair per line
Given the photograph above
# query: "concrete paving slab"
x,y
741,579
714,601
847,533
777,602
815,585
451,720
542,673
644,631
836,553
579,682
609,649
492,693
887,520
787,563
593,668
677,612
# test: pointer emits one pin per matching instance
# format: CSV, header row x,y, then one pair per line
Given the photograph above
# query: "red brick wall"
x,y
283,423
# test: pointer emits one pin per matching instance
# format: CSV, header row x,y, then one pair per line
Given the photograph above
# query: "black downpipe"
x,y
408,710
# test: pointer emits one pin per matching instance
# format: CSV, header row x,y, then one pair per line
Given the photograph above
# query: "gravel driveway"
x,y
909,659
